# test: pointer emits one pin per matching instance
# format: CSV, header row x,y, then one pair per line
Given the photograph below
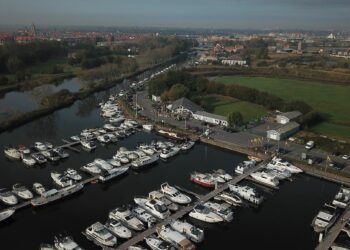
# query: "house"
x,y
184,105
210,118
283,132
234,60
284,118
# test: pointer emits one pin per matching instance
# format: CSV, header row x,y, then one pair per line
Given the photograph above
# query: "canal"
x,y
282,222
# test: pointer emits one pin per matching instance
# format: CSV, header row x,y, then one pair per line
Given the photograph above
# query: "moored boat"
x,y
174,195
7,213
202,179
192,232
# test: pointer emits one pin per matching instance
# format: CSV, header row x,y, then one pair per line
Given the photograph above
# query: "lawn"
x,y
331,99
223,105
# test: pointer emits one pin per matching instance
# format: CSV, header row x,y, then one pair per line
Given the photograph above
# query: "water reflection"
x,y
45,127
86,106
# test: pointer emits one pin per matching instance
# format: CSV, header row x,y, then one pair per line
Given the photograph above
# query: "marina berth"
x,y
100,234
192,232
54,194
247,193
202,179
12,153
265,178
143,216
204,213
155,207
124,215
325,218
175,238
5,214
66,243
7,197
22,192
174,195
161,197
117,228
156,243
223,210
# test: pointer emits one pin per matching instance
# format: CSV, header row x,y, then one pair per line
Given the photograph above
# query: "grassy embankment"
x,y
331,99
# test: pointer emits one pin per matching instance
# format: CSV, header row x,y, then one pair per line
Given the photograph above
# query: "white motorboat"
x,y
62,153
66,243
12,153
155,207
342,198
73,174
190,231
124,215
45,246
279,163
216,178
143,216
22,192
7,213
148,127
28,160
112,137
265,178
281,174
39,188
167,153
114,163
174,195
117,119
187,145
51,155
23,149
223,210
99,233
54,194
75,138
7,197
104,165
103,139
144,161
48,145
89,145
39,158
230,198
117,228
147,149
161,197
175,238
244,166
156,243
40,146
110,174
109,127
247,193
325,218
121,157
203,213
61,180
91,168
222,174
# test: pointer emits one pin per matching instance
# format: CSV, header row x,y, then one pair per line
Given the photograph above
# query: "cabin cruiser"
x,y
7,197
144,161
230,198
279,163
247,193
28,160
187,145
12,153
202,179
121,157
155,207
167,153
143,216
117,228
89,145
61,180
148,127
112,137
5,214
265,178
109,127
99,233
91,168
244,166
39,158
156,243
147,149
116,119
40,146
281,174
216,178
103,164
124,215
342,198
65,243
51,155
75,138
175,238
174,195
325,218
63,154
114,163
54,194
103,138
110,174
73,174
223,210
22,192
39,188
190,231
23,149
222,174
161,197
204,213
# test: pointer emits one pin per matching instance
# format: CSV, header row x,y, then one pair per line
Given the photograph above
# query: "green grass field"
x,y
331,99
223,105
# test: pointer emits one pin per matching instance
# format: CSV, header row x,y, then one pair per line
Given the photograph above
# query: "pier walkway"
x,y
186,209
335,230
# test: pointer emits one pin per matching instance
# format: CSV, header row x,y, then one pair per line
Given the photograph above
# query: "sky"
x,y
227,14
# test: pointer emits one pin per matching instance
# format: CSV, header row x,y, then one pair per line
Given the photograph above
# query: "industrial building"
x,y
283,132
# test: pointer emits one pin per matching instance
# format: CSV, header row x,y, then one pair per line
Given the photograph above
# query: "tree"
x,y
235,119
14,64
3,80
177,91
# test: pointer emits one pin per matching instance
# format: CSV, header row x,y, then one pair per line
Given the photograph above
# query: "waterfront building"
x,y
211,118
283,132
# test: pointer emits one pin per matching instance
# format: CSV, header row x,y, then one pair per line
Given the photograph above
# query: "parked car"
x,y
345,157
309,145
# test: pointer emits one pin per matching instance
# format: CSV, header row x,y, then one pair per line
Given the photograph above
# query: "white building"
x,y
234,61
210,118
184,105
284,118
283,132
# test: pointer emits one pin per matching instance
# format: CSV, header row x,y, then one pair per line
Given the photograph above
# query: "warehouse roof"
x,y
186,103
285,128
291,115
210,115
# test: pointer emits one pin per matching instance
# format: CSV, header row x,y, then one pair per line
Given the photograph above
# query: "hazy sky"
x,y
306,14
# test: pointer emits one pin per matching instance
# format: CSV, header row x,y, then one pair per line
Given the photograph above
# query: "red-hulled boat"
x,y
203,180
